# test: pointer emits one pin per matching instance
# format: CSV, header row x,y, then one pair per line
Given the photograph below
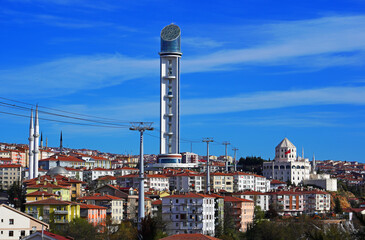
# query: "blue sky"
x,y
253,72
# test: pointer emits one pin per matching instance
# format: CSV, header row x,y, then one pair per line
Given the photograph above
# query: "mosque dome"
x,y
57,171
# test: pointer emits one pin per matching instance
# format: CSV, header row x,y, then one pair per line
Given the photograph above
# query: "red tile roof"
x,y
40,193
157,202
91,206
190,195
249,193
56,236
235,199
10,166
49,201
62,158
99,197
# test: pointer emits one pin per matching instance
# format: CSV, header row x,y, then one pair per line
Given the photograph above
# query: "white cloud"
x,y
315,43
247,102
200,42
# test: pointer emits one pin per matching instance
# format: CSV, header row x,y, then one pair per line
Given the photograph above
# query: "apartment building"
x,y
95,215
157,182
114,205
187,182
259,198
54,211
93,174
189,213
9,174
316,201
221,181
288,202
242,211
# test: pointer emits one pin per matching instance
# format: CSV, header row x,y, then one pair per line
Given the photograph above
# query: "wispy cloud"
x,y
69,75
314,44
144,110
200,42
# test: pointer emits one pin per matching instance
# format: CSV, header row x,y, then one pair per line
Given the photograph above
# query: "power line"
x,y
59,121
58,110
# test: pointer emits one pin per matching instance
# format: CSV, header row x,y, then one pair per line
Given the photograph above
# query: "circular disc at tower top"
x,y
170,32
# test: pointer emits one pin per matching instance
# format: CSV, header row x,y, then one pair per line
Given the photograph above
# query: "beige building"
x,y
242,211
221,181
15,224
9,173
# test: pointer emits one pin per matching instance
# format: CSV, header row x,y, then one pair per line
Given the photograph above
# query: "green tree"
x,y
151,228
126,231
17,195
259,215
338,208
79,229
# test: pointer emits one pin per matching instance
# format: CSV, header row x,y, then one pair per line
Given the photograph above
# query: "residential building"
x,y
316,201
187,182
242,211
247,181
221,181
152,181
61,160
189,213
93,174
287,202
40,195
15,224
53,211
95,215
114,205
259,198
9,174
190,236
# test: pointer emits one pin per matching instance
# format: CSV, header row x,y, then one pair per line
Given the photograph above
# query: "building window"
x,y
11,221
22,233
11,233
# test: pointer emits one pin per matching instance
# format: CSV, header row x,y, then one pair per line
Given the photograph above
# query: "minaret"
x,y
61,146
36,143
170,94
46,142
41,140
314,164
31,146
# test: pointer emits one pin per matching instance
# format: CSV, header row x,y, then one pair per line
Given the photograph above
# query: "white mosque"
x,y
287,165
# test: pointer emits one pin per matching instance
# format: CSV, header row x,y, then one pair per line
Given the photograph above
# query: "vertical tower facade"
x,y
36,143
31,147
170,93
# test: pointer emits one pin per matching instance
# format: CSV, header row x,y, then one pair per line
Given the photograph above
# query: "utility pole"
x,y
235,162
208,140
226,144
141,127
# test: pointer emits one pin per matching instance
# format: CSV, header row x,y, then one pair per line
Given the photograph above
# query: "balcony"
x,y
61,212
169,77
63,221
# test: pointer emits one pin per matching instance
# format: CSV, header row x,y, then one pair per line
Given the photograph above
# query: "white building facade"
x,y
190,213
287,166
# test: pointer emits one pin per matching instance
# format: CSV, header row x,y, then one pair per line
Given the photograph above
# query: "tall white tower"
x,y
31,146
170,95
36,143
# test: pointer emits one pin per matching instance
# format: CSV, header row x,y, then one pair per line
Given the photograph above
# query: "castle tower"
x,y
31,146
285,151
36,143
170,95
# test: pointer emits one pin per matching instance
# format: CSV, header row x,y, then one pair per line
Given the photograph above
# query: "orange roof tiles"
x,y
190,195
49,201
